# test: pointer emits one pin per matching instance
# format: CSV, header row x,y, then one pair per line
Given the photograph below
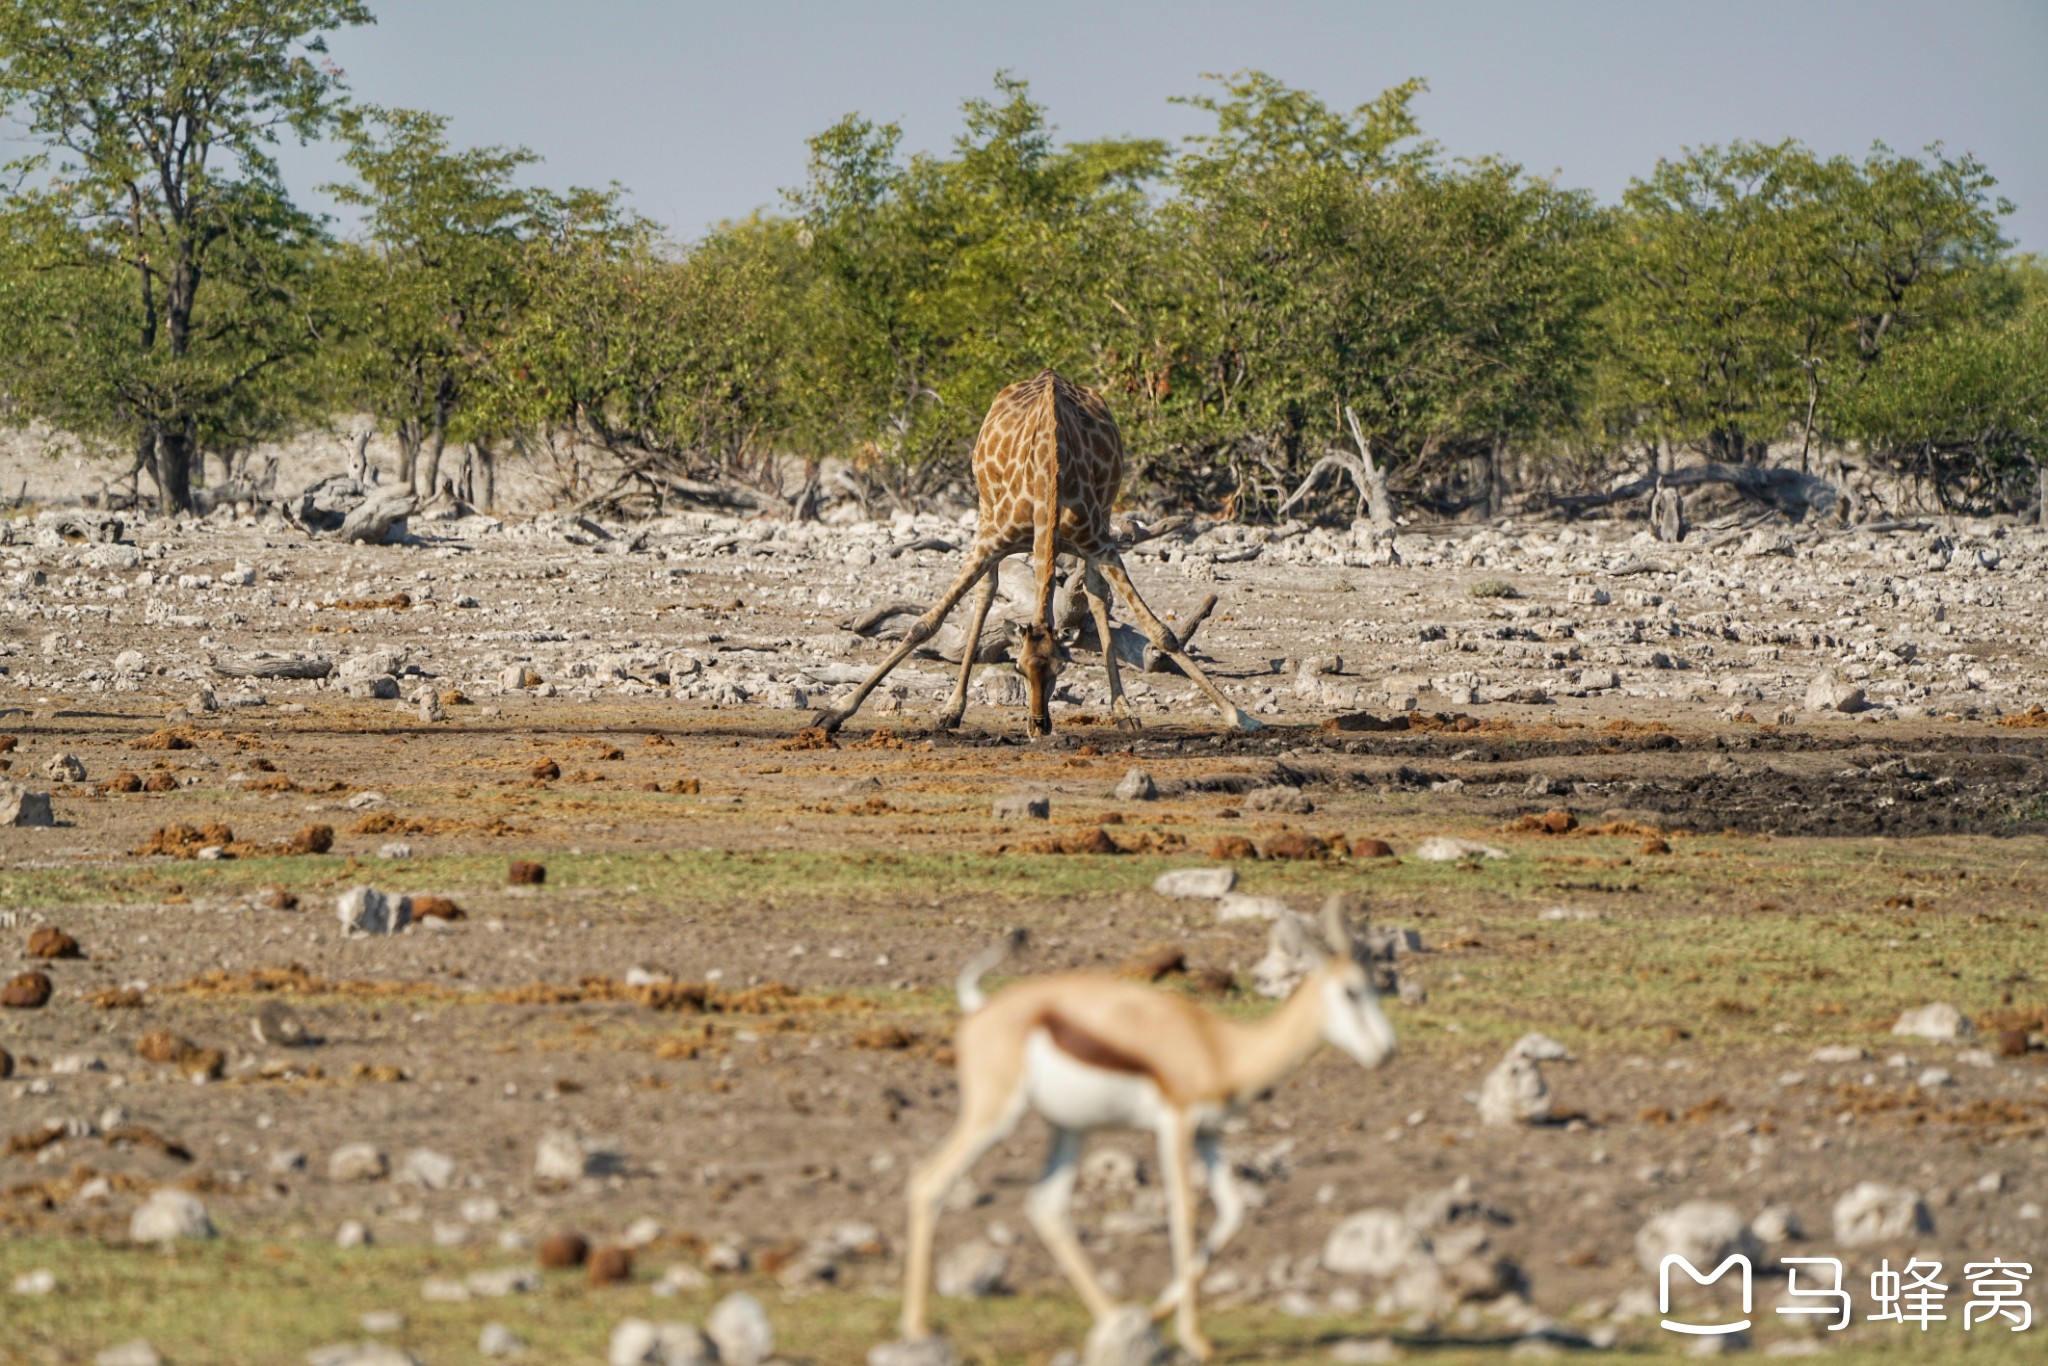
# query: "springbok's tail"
x,y
968,984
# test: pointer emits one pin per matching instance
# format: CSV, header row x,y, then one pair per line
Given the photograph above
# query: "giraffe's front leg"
x,y
956,707
1120,709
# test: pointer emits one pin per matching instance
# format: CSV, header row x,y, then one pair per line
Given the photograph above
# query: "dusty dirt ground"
x,y
734,984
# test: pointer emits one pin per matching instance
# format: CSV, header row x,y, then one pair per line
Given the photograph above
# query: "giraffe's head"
x,y
1039,659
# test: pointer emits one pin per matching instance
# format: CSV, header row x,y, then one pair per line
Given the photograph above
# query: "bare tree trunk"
x,y
1667,514
487,472
1375,480
359,455
430,463
173,468
409,437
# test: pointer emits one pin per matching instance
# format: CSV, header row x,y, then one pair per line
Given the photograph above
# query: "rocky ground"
x,y
1756,797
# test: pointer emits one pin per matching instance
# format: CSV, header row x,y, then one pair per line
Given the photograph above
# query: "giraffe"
x,y
1048,464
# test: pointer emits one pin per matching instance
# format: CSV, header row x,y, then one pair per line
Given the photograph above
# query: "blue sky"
x,y
702,110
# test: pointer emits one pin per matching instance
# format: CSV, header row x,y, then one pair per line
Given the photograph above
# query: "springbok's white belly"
x,y
1075,1095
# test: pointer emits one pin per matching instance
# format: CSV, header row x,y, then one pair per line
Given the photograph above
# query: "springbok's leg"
x,y
1098,603
1229,1203
978,561
957,706
1048,1205
1174,1161
981,1126
1169,645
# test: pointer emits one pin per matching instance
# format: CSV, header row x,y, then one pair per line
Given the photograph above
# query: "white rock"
x,y
1839,1053
1704,1232
1136,786
499,1282
1876,1213
357,1162
1021,806
136,1352
559,1156
634,1342
1238,906
1776,1224
365,910
427,1169
1208,883
64,768
169,1215
1449,849
41,1281
496,1340
740,1328
1289,957
361,1354
22,808
352,1233
1939,1020
1515,1091
1830,692
972,1270
444,1290
1373,1242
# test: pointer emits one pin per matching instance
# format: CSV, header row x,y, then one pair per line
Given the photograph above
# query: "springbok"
x,y
1092,1052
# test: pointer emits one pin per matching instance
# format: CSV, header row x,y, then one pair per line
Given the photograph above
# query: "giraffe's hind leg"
x,y
956,707
1120,709
1169,645
979,560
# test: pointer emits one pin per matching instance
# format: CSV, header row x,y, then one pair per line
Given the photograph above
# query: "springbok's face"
x,y
1038,660
1352,1018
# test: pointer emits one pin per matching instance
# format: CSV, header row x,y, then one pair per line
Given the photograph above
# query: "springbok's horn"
x,y
1335,927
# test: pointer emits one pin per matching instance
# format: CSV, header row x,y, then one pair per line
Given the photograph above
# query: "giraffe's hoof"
x,y
1128,720
827,721
1244,722
949,721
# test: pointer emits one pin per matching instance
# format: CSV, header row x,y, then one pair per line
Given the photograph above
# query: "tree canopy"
x,y
1296,277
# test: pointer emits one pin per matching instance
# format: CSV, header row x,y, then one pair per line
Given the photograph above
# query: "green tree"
x,y
955,276
1966,407
435,282
157,119
1332,261
1752,284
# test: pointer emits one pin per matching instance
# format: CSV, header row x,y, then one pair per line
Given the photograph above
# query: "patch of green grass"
x,y
1493,588
270,1303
